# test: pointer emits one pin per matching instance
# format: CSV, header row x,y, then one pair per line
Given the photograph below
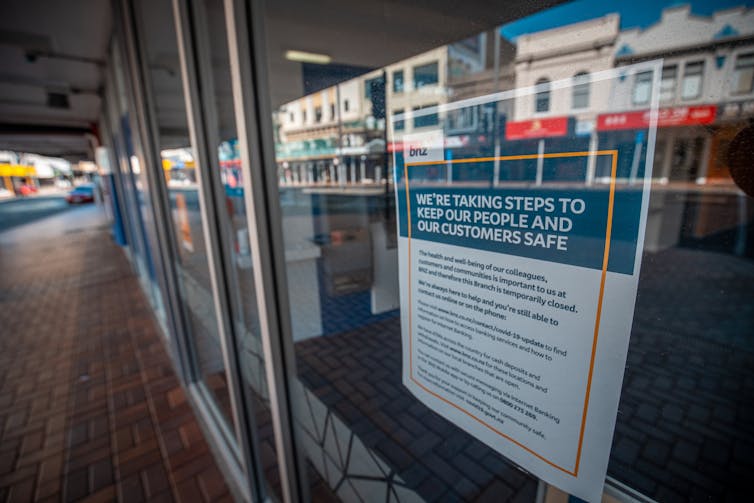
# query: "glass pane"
x,y
179,173
137,198
683,425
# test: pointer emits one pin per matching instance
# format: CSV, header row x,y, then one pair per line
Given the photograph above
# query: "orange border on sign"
x,y
608,233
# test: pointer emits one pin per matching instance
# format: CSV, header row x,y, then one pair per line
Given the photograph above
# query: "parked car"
x,y
81,194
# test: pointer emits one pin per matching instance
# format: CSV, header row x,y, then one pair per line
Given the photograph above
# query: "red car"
x,y
81,194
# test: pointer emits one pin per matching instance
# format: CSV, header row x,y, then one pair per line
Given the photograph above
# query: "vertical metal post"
x,y
197,75
540,161
246,43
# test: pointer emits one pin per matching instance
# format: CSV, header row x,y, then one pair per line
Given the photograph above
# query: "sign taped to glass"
x,y
518,280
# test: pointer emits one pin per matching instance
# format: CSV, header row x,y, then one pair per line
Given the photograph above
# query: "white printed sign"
x,y
517,299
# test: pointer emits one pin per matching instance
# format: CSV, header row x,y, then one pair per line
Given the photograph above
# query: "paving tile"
x,y
77,383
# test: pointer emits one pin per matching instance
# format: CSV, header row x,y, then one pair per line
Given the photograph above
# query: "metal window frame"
x,y
246,41
196,73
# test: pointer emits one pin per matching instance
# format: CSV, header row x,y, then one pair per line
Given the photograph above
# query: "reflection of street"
x,y
23,210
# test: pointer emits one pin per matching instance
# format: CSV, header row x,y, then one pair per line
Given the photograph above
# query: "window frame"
x,y
417,69
542,96
700,74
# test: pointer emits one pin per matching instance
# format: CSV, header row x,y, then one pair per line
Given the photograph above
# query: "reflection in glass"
x,y
684,404
180,176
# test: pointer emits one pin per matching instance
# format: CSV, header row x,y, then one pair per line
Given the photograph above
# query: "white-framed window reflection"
x,y
642,88
693,74
743,74
668,82
542,98
581,83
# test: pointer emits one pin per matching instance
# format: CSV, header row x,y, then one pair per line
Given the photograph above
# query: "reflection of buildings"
x,y
569,52
554,115
705,88
705,97
332,136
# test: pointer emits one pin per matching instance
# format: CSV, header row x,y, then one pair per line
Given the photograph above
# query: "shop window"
x,y
691,87
399,125
743,74
426,120
668,83
425,75
398,81
542,98
581,90
642,88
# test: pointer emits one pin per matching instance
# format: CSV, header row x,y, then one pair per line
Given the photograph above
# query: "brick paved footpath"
x,y
90,407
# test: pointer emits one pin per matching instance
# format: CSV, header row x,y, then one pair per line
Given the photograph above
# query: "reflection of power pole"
x,y
540,161
340,127
495,88
591,164
637,157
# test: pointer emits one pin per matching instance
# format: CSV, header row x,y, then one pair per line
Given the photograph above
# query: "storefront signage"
x,y
674,116
517,303
536,128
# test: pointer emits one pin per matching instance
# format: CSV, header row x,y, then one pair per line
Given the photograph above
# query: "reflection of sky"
x,y
633,13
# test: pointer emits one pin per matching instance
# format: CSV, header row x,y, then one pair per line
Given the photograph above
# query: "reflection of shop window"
x,y
303,116
692,80
667,83
317,114
642,88
398,81
743,74
581,90
431,119
425,75
463,119
346,105
332,111
291,118
542,98
399,125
